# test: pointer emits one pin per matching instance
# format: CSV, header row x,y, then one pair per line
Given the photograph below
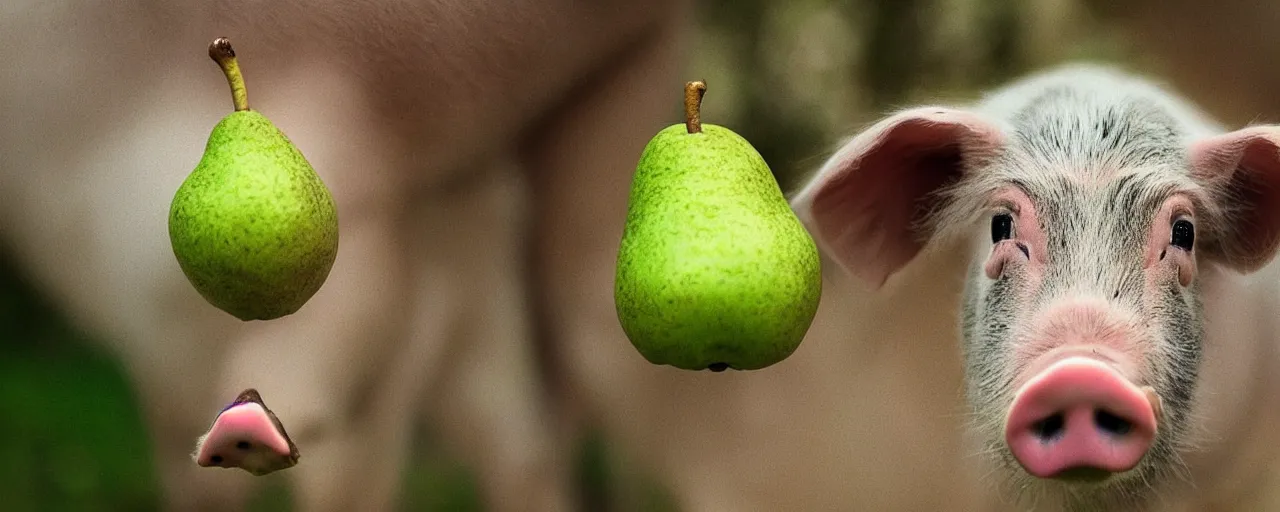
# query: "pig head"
x,y
1095,209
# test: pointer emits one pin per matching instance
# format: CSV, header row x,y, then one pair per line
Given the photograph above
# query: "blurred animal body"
x,y
426,119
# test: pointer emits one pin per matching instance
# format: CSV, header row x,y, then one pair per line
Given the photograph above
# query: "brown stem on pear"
x,y
693,92
221,52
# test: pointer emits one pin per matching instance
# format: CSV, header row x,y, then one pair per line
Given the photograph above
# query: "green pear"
x,y
253,227
714,270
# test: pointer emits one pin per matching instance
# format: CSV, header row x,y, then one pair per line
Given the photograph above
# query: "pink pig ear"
x,y
1242,168
863,204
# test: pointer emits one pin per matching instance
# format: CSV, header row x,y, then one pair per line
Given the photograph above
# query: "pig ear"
x,y
863,205
1242,169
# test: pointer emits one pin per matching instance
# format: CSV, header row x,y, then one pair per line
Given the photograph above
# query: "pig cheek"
x,y
1161,278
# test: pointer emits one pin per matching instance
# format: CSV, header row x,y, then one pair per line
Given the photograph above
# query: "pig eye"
x,y
1184,234
1001,227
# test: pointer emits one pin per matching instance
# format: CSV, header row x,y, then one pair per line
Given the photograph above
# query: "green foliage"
x,y
71,436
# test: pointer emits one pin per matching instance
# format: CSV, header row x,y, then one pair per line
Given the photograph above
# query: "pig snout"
x,y
1080,419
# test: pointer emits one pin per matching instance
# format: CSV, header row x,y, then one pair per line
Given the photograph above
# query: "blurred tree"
x,y
71,435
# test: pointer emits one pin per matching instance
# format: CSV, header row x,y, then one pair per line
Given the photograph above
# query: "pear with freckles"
x,y
715,271
253,227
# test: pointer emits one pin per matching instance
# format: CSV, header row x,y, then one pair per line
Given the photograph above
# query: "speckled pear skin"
x,y
253,227
713,267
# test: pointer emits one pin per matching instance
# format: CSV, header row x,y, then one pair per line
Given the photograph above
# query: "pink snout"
x,y
1080,417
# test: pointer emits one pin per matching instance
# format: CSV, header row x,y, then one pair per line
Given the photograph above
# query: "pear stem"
x,y
693,92
221,52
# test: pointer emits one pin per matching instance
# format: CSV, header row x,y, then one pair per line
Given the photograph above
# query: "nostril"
x,y
1049,428
1111,423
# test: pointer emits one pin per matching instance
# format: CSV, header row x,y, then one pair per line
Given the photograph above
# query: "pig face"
x,y
1092,209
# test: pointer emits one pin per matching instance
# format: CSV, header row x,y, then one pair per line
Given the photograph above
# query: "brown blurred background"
x,y
793,77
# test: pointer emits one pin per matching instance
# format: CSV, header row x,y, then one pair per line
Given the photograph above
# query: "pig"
x,y
428,120
1117,323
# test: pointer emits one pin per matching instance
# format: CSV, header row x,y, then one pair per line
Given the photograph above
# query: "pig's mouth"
x,y
1077,418
1084,474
